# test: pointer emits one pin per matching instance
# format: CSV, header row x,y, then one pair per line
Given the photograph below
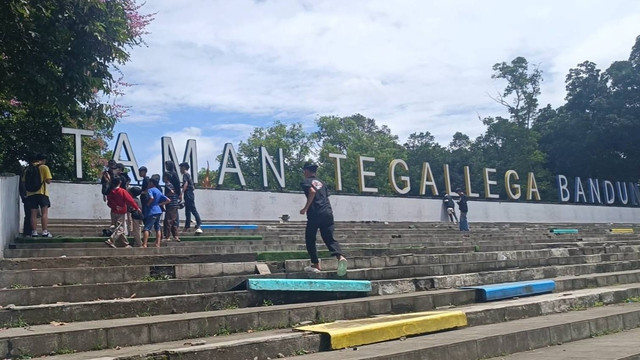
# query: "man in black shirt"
x,y
319,216
189,199
464,209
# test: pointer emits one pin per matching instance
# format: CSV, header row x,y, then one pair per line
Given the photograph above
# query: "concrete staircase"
x,y
188,300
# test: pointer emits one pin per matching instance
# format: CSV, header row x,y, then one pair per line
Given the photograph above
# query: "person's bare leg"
x,y
145,238
34,220
158,238
45,218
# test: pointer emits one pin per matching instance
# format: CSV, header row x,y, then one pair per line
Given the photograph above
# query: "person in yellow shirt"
x,y
38,198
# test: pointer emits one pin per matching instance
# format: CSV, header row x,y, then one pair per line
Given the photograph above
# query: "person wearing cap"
x,y
462,205
105,179
319,216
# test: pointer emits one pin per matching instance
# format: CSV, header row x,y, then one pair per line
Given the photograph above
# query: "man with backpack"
x,y
36,179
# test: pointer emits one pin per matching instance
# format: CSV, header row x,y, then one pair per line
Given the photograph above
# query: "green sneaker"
x,y
342,267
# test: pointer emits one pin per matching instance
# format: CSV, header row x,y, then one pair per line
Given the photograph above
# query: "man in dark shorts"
x,y
40,199
319,216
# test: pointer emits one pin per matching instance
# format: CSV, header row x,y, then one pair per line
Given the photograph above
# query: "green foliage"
x,y
159,277
595,133
523,86
64,350
421,148
295,144
18,286
58,68
19,323
356,136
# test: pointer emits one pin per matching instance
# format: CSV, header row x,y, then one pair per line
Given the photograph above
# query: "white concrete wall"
x,y
10,211
84,201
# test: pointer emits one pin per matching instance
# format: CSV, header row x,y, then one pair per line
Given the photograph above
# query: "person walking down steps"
x,y
319,216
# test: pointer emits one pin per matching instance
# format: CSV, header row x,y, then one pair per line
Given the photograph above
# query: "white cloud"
x,y
208,147
412,65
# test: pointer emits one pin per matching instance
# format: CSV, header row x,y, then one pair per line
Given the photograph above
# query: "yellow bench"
x,y
351,333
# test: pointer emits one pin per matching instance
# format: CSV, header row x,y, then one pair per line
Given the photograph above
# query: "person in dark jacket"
x,y
464,209
319,216
450,207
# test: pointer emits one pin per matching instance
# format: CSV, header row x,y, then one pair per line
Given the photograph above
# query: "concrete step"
x,y
93,275
256,247
540,328
613,344
460,240
389,268
500,339
136,306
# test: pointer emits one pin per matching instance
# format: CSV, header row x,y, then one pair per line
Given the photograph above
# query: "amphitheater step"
x,y
143,302
494,329
605,345
498,340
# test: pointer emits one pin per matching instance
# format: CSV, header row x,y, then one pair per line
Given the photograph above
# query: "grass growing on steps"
x,y
88,239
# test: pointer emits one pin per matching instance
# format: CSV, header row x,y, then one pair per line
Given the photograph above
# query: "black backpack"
x,y
32,179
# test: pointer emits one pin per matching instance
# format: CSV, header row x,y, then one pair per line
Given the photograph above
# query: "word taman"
x,y
597,192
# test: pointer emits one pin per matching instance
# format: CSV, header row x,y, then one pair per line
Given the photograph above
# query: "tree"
x,y
58,67
296,146
355,136
523,85
595,133
422,147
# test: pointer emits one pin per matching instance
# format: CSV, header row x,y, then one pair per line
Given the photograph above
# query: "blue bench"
x,y
309,285
512,289
228,227
564,231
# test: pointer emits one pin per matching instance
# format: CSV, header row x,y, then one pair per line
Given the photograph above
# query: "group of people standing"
x,y
140,208
450,206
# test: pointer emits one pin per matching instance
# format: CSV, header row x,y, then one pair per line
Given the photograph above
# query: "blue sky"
x,y
213,70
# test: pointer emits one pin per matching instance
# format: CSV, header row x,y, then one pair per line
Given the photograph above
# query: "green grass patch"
x,y
95,239
289,255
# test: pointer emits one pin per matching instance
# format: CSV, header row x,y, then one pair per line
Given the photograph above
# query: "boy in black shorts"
x,y
39,199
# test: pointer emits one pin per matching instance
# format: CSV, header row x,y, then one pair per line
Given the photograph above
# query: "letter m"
x,y
190,155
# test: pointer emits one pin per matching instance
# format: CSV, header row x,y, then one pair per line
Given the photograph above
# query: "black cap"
x,y
142,168
458,190
135,191
310,166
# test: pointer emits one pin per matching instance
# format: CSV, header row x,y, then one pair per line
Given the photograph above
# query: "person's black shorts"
x,y
38,201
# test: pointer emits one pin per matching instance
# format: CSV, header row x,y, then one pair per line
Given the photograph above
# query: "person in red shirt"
x,y
118,200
